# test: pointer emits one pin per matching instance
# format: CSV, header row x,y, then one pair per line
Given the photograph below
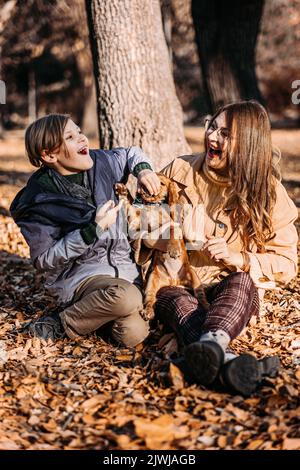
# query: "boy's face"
x,y
73,157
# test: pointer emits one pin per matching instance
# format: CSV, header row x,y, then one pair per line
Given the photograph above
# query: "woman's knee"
x,y
170,297
174,305
166,300
243,279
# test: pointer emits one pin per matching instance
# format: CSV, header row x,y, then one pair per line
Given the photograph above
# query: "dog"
x,y
170,267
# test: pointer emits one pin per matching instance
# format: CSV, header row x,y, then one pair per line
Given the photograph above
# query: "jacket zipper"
x,y
109,259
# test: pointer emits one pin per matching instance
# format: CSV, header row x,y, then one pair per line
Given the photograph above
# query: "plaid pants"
x,y
232,303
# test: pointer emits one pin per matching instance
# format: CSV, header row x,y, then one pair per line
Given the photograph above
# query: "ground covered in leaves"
x,y
90,395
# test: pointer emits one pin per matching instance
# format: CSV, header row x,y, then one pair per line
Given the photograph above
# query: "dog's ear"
x,y
172,193
164,179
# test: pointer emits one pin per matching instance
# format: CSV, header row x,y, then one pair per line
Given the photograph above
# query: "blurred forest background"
x,y
47,64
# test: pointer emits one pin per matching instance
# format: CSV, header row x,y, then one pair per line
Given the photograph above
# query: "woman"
x,y
249,244
68,216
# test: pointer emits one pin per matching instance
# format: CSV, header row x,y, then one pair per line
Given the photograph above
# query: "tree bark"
x,y
88,113
137,103
166,13
226,35
32,114
89,122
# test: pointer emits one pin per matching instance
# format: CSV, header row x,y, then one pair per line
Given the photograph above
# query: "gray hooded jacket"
x,y
51,223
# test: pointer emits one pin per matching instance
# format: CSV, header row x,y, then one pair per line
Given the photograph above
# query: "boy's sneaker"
x,y
48,327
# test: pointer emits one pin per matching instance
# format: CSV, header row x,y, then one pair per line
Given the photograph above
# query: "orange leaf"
x,y
93,403
159,432
176,377
291,444
255,444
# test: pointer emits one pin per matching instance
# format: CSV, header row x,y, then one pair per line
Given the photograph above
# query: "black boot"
x,y
269,366
204,360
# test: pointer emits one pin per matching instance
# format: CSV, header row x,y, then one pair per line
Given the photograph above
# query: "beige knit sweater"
x,y
202,193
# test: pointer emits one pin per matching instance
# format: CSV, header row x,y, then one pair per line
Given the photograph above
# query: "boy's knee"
x,y
131,331
136,336
127,298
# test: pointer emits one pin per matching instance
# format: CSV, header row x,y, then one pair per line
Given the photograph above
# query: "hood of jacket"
x,y
38,204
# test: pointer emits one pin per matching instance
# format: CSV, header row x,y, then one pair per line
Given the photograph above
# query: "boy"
x,y
83,253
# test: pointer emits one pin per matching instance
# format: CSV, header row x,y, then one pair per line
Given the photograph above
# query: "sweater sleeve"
x,y
47,250
130,160
278,265
89,233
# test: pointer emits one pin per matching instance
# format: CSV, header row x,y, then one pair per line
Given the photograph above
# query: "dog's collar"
x,y
139,202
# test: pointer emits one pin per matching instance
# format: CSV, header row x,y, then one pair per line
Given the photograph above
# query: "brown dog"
x,y
170,267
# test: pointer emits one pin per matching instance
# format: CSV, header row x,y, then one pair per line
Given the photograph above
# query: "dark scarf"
x,y
69,188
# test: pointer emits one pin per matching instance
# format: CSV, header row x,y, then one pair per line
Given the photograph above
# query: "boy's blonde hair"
x,y
45,133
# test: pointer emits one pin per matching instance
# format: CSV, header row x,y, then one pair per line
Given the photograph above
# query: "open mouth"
x,y
83,151
214,153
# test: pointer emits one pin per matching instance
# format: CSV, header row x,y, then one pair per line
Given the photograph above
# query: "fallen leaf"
x,y
176,376
93,403
255,444
159,432
291,444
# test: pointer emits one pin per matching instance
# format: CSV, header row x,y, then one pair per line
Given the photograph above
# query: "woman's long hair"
x,y
252,171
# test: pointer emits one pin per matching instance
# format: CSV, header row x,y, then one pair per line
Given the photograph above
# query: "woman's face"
x,y
216,143
75,157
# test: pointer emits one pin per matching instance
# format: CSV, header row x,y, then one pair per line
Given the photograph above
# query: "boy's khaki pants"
x,y
101,299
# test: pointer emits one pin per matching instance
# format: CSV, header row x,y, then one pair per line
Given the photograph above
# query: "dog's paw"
x,y
147,313
120,189
200,295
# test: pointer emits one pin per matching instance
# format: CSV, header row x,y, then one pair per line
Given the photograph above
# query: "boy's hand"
x,y
150,180
107,214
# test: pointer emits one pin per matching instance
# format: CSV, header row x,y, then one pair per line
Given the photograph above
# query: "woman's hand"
x,y
150,180
107,214
218,250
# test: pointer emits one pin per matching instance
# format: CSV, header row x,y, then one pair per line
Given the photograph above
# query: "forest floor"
x,y
90,395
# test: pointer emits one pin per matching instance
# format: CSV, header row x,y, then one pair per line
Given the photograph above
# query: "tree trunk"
x,y
166,13
137,103
88,115
2,96
89,122
31,96
226,35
